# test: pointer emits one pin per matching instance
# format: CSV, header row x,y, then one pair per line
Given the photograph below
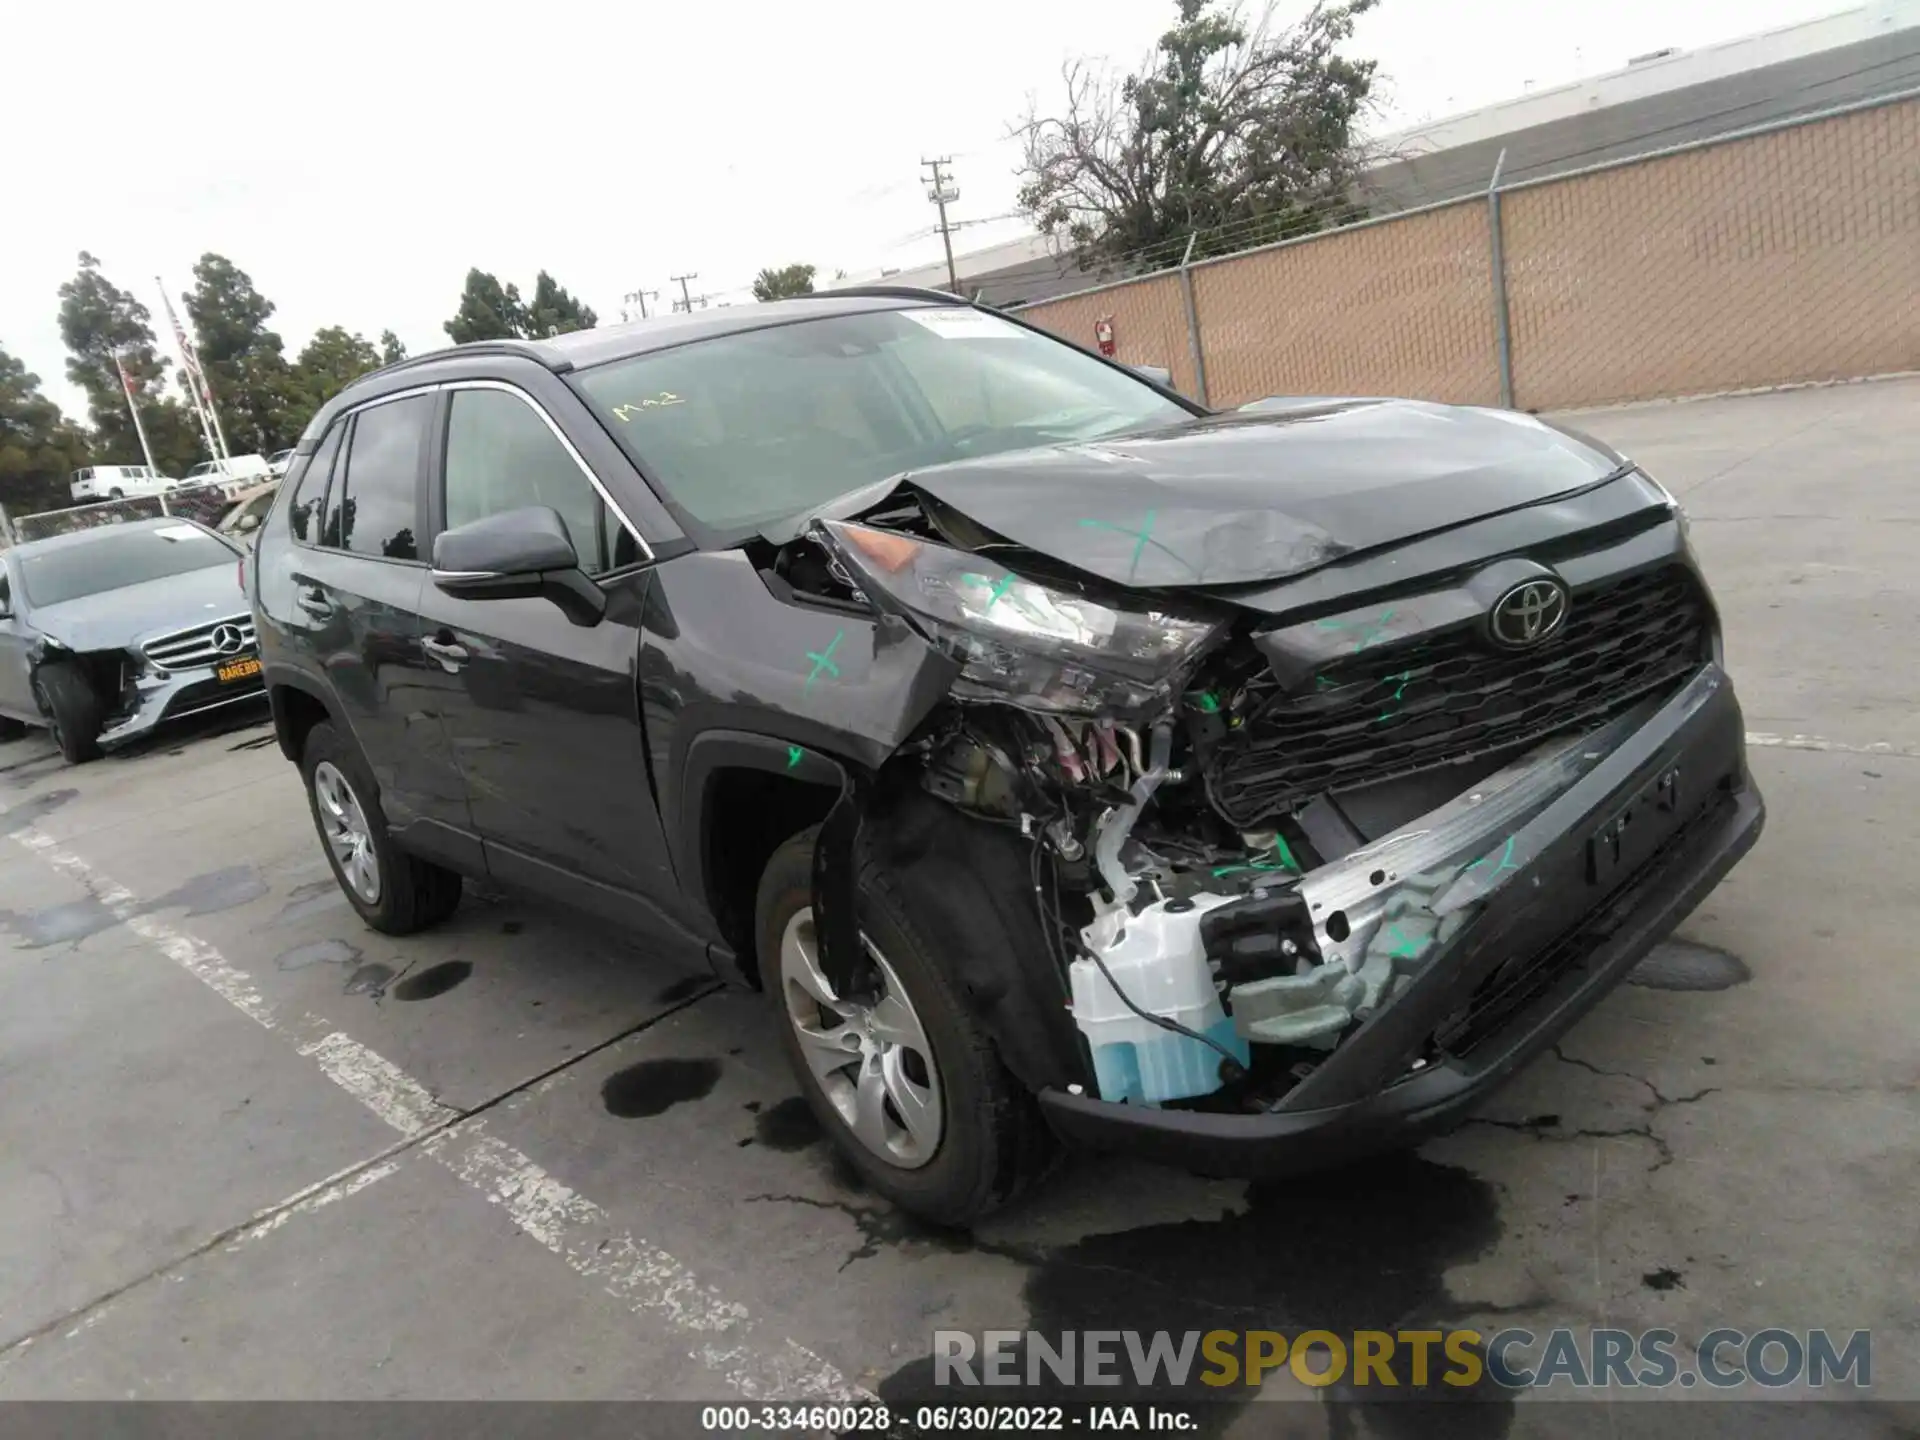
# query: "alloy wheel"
x,y
872,1059
343,824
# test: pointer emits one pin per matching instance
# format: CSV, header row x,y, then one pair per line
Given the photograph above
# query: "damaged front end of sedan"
x,y
1305,862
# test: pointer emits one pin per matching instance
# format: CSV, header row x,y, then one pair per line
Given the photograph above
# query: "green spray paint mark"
x,y
823,660
1283,862
1142,538
1506,859
1403,947
794,752
1403,677
1376,628
995,589
1207,702
1325,682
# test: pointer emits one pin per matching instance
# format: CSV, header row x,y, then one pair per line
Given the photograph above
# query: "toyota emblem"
x,y
228,639
1528,613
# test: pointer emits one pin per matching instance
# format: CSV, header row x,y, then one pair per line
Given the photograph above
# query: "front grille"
x,y
1401,709
184,649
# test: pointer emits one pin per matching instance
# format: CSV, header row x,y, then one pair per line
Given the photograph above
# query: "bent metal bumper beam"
x,y
1566,874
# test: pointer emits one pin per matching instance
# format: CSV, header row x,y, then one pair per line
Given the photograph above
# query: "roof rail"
x,y
532,350
889,292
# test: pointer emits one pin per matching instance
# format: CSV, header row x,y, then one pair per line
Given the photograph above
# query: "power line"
x,y
686,300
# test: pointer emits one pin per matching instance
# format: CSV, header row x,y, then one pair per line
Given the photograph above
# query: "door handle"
x,y
450,654
311,600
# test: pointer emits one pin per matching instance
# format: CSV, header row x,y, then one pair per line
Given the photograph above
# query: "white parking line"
x,y
1762,739
646,1278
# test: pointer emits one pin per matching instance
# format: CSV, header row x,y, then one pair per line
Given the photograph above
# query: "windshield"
x,y
744,429
111,558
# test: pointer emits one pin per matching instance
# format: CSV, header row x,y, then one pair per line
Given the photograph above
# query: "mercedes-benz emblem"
x,y
1528,613
228,639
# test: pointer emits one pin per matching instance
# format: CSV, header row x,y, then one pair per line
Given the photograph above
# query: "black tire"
x,y
12,729
413,893
73,709
114,494
993,1142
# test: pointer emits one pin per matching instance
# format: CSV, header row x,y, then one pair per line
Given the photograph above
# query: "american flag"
x,y
189,357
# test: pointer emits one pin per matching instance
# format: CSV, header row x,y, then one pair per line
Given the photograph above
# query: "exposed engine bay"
x,y
1247,832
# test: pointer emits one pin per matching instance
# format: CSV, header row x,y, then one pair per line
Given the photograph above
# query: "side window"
x,y
501,456
310,494
372,509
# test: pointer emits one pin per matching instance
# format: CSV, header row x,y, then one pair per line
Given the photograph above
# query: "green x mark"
x,y
1142,538
794,754
1404,948
823,660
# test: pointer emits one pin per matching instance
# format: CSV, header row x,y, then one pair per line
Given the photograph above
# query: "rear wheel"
x,y
114,494
73,709
905,1082
394,892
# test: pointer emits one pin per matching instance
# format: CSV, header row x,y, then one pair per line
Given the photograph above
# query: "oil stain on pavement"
x,y
73,921
33,810
653,1087
437,980
210,893
310,899
1365,1248
1689,965
316,952
788,1126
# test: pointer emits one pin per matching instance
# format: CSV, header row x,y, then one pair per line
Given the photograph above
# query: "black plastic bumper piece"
x,y
1583,947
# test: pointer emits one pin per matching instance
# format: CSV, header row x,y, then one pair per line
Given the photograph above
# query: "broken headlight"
x,y
1017,640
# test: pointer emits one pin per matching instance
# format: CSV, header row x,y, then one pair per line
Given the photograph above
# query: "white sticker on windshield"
x,y
960,323
176,532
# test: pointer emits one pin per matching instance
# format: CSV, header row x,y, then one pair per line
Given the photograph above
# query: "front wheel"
x,y
73,709
905,1082
394,892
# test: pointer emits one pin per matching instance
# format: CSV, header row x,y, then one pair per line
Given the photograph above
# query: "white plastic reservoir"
x,y
1158,960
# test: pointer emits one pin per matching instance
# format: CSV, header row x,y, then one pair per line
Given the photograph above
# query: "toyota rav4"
x,y
1065,761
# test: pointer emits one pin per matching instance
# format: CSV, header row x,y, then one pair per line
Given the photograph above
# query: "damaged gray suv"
x,y
1066,763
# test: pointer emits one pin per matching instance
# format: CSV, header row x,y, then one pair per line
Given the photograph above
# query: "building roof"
x,y
1669,98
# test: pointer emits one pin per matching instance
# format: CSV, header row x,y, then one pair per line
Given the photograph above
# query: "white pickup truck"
x,y
235,467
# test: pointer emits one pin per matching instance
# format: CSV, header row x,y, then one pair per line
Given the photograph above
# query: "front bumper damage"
x,y
1465,942
149,700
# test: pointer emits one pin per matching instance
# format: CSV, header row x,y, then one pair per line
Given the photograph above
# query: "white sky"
x,y
357,164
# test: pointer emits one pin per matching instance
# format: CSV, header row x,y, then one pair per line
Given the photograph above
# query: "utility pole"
x,y
943,192
640,298
686,300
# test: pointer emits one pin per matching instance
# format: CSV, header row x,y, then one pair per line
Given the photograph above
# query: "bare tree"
x,y
1240,130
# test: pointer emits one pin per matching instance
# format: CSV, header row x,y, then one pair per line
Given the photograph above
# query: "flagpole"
x,y
133,409
196,376
193,389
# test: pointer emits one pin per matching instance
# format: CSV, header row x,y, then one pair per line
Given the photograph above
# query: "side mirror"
x,y
514,555
1159,374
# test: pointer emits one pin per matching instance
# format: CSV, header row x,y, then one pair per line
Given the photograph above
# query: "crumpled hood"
x,y
133,614
1268,492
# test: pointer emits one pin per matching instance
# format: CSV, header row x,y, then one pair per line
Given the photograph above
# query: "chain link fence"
x,y
205,503
1784,254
